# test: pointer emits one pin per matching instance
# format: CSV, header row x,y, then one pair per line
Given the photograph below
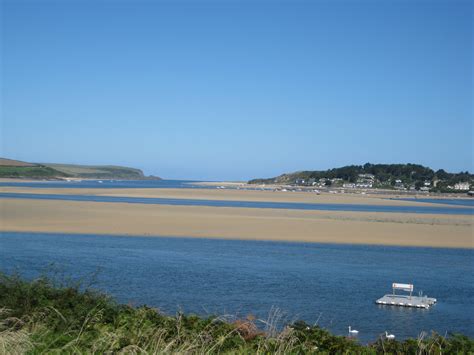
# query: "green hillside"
x,y
11,162
402,176
30,172
17,169
98,171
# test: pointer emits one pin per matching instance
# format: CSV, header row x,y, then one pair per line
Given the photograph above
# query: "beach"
x,y
29,215
229,195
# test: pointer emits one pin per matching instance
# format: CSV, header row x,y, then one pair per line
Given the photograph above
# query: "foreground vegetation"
x,y
42,316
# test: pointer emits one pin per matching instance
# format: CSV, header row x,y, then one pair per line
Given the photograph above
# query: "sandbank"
x,y
226,194
236,223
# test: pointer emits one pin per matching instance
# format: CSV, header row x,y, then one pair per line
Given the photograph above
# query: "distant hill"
x,y
401,176
100,171
17,169
10,162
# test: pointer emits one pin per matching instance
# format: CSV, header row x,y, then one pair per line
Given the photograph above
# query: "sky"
x,y
233,90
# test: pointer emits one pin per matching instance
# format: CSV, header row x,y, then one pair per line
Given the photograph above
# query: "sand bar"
x,y
237,223
226,194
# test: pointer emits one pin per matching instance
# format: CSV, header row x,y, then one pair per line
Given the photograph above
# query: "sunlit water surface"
x,y
334,285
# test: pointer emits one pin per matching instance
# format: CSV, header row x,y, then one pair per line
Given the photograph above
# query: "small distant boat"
x,y
100,181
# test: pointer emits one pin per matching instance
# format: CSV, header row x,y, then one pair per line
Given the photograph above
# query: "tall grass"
x,y
39,316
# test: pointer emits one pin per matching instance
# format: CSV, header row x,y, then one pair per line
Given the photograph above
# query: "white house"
x,y
463,186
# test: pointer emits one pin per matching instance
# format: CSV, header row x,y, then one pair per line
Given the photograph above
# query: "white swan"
x,y
389,336
353,331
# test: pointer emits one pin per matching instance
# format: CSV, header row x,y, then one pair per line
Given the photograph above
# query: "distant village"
x,y
368,181
407,178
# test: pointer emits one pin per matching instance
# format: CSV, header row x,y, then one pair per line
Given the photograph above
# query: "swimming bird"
x,y
353,331
389,336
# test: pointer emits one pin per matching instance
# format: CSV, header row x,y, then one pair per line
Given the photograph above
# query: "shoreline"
x,y
336,190
45,181
199,331
229,195
396,229
244,186
235,239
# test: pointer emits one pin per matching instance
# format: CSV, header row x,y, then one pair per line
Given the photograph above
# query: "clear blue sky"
x,y
238,89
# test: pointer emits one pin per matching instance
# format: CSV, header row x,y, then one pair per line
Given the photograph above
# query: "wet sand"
x,y
236,223
227,194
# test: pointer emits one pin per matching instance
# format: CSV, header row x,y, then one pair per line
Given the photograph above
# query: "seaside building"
x,y
461,186
399,184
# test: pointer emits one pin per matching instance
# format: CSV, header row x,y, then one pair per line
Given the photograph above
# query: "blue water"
x,y
333,285
246,204
106,184
445,201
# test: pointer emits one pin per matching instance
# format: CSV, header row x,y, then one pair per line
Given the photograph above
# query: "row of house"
x,y
460,186
367,181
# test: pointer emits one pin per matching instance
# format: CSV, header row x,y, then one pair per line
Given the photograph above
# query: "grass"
x,y
45,171
32,172
98,172
43,316
11,162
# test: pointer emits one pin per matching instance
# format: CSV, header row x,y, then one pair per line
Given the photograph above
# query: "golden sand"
x,y
227,194
236,223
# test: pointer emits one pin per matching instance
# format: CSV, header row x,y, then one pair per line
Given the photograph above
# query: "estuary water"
x,y
246,204
332,285
444,201
105,184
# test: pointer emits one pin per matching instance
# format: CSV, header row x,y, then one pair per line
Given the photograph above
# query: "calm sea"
x,y
333,285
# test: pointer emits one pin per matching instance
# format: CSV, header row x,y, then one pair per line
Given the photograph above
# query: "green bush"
x,y
42,316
